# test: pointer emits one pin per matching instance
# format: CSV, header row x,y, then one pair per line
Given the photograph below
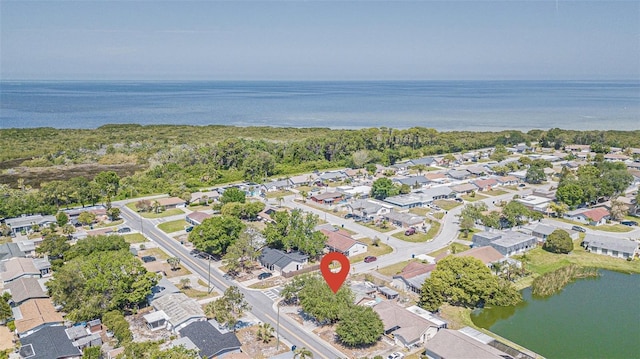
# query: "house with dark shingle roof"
x,y
210,342
413,276
277,260
10,250
48,343
23,289
507,243
611,246
412,181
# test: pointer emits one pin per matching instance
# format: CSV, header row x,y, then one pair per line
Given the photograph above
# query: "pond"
x,y
590,318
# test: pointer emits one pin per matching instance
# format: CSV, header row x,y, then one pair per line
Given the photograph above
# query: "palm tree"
x,y
304,195
265,332
280,200
303,353
155,206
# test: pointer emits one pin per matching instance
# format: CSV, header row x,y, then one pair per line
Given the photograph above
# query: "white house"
x,y
341,241
611,246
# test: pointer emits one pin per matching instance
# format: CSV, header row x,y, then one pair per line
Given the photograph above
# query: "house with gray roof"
x,y
283,262
48,343
543,231
508,243
448,343
409,329
211,343
26,223
464,188
179,309
427,161
611,246
412,181
420,198
333,176
23,289
274,186
459,174
368,209
10,250
404,219
161,289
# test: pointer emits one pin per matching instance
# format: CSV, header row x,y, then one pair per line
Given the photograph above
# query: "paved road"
x,y
262,306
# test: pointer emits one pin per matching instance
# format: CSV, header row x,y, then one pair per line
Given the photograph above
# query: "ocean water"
x,y
443,105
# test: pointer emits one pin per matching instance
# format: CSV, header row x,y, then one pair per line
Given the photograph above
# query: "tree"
x,y
535,175
467,224
174,262
86,218
185,283
114,320
258,165
559,208
241,254
62,219
359,326
499,153
216,234
5,309
302,353
295,230
265,332
466,282
618,210
233,194
55,247
113,213
108,182
152,350
317,299
419,168
232,209
143,205
558,241
360,158
383,188
229,308
570,193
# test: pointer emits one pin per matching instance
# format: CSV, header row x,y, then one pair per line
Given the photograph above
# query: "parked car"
x,y
194,252
410,231
348,215
459,200
369,259
124,230
395,355
629,223
189,229
148,259
579,229
522,185
264,275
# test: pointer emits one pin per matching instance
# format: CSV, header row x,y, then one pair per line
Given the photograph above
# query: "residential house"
x,y
26,223
171,202
10,250
413,276
48,343
521,175
412,181
328,197
539,192
364,293
196,218
404,219
465,188
388,292
479,171
43,265
333,176
277,260
543,231
368,208
24,289
357,191
407,328
16,268
508,243
179,309
273,186
266,215
426,161
420,198
614,157
303,180
459,174
438,177
485,184
487,255
27,247
611,246
35,314
82,337
211,343
448,343
507,180
578,148
341,241
535,203
205,197
593,216
162,288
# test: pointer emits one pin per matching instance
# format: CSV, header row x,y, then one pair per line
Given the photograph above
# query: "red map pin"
x,y
335,280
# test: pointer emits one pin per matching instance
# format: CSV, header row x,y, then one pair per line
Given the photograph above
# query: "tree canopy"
x,y
383,188
558,241
295,230
359,325
216,234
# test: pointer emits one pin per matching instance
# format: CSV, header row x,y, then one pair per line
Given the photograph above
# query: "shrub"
x,y
558,241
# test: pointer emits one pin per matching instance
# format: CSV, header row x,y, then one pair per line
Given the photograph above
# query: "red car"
x,y
369,259
410,231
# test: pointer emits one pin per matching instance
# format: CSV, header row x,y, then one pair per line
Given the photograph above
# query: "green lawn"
x,y
618,228
477,197
419,236
276,194
495,192
447,204
167,213
438,215
390,227
156,252
378,251
467,238
173,226
134,238
420,211
196,294
395,268
110,224
453,248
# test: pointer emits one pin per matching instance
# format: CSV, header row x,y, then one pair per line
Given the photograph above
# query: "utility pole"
x,y
278,326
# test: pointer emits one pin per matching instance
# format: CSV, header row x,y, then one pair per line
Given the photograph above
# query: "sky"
x,y
313,40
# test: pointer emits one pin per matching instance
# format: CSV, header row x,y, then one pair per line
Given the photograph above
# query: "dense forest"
x,y
179,159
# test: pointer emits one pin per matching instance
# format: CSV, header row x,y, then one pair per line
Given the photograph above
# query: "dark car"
x,y
264,275
410,231
124,230
579,229
459,200
629,223
194,252
148,259
348,215
369,259
189,229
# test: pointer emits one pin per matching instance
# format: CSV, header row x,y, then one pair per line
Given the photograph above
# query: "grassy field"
x,y
380,250
438,215
495,192
156,252
473,199
276,194
134,238
618,228
469,236
395,268
419,236
196,294
447,204
110,224
453,248
173,226
421,211
167,213
390,227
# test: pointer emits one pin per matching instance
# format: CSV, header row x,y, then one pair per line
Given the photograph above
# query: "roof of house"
x,y
327,195
458,174
209,340
365,206
427,161
302,178
178,307
170,201
435,176
331,175
503,238
596,214
543,229
29,220
198,216
504,179
410,325
478,170
482,183
485,254
36,312
279,258
339,240
277,184
466,187
449,343
17,267
163,288
25,288
210,194
610,243
48,343
412,180
10,250
406,218
415,269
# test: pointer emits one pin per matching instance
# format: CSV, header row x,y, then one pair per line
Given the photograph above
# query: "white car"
x,y
395,355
